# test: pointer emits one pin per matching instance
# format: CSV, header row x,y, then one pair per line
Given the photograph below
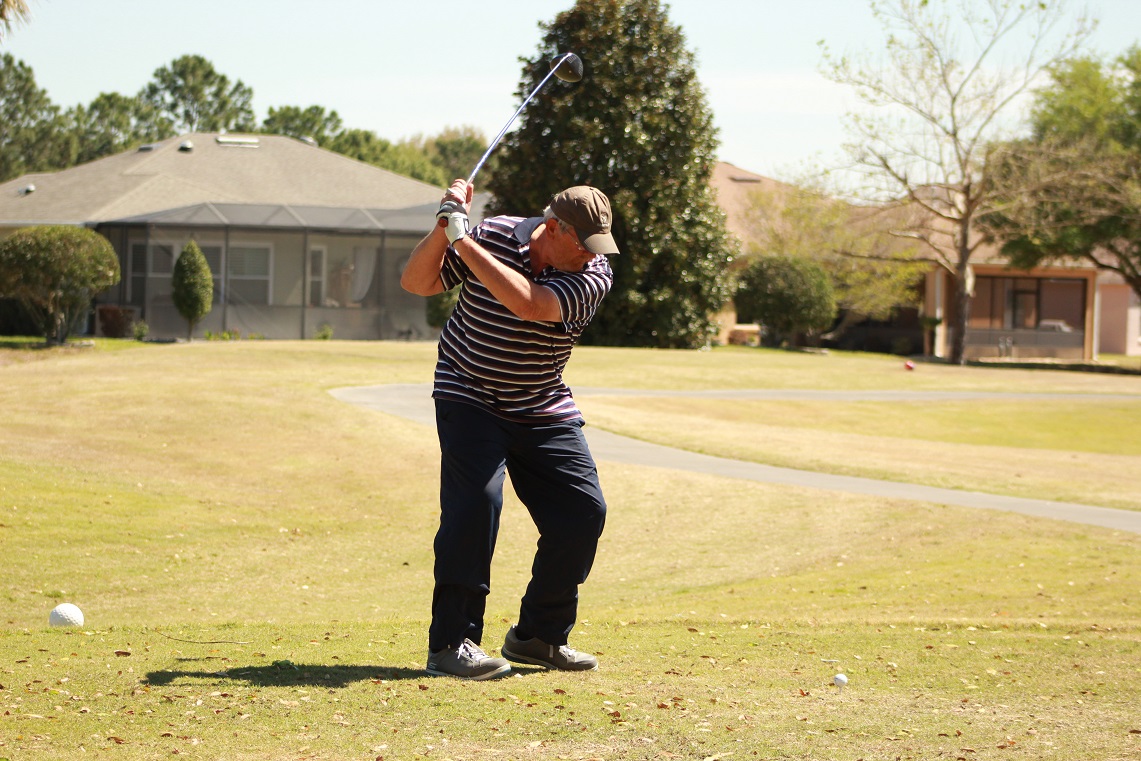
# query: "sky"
x,y
403,68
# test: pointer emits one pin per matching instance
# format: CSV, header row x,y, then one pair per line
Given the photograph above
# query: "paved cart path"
x,y
413,401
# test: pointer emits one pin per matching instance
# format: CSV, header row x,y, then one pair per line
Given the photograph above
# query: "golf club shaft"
x,y
511,121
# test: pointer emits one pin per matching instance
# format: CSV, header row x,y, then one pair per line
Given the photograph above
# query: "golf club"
x,y
567,67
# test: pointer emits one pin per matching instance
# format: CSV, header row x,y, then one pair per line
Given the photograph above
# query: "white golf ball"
x,y
66,614
839,680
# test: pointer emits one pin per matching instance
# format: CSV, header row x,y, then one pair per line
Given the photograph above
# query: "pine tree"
x,y
638,127
192,287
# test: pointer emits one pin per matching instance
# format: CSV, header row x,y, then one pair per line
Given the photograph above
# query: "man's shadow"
x,y
288,674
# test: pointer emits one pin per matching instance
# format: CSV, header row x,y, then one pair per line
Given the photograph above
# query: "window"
x,y
316,277
213,256
137,274
249,271
162,258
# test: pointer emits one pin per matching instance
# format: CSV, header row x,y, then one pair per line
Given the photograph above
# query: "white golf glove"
x,y
454,220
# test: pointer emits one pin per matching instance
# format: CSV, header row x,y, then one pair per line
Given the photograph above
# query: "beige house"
x,y
299,239
1064,312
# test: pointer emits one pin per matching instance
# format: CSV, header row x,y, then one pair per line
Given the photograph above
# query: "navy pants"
x,y
555,477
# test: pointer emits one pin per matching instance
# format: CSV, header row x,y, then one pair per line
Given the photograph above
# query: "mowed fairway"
x,y
254,561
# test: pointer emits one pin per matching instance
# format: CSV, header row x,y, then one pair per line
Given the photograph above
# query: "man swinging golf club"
x,y
528,288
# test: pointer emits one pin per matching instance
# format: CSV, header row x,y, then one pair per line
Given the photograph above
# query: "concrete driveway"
x,y
414,402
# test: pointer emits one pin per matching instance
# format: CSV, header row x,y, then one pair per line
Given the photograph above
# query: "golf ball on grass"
x,y
66,614
840,680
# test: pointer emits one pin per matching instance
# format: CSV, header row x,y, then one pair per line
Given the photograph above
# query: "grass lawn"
x,y
254,561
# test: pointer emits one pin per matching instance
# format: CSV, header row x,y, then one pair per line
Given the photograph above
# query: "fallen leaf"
x,y
122,653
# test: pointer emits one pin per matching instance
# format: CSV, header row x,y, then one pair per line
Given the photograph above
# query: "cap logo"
x,y
604,220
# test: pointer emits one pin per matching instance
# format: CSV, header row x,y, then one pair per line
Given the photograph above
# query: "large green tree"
x,y
455,150
313,122
55,271
402,158
32,134
936,93
638,127
1073,190
113,123
193,96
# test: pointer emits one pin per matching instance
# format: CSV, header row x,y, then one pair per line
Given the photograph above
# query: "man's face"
x,y
567,254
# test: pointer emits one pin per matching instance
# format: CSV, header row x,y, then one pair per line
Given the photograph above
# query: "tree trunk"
x,y
964,289
962,313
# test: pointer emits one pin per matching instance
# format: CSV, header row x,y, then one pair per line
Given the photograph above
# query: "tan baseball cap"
x,y
587,210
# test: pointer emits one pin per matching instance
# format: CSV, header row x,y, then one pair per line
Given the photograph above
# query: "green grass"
x,y
215,492
1121,360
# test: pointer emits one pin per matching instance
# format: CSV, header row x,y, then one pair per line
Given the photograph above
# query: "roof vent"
x,y
186,146
234,141
27,190
308,140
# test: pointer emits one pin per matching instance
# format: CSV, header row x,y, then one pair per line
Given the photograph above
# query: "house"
x,y
300,240
1058,311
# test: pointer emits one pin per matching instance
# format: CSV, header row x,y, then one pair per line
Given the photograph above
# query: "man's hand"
x,y
453,219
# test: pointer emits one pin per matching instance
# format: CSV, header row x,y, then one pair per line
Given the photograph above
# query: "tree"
x,y
787,295
55,271
364,145
872,273
313,122
113,123
192,287
12,11
638,127
30,124
455,150
939,87
192,96
1073,190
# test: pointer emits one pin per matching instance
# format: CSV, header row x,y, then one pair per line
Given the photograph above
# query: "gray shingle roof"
x,y
280,172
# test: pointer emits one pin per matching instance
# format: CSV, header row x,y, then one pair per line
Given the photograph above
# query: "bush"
x,y
192,286
439,307
55,271
114,321
787,296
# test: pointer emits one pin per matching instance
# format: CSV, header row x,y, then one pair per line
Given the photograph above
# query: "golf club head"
x,y
567,67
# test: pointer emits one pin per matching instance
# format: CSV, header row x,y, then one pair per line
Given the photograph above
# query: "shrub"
x,y
192,286
439,307
114,321
55,271
787,296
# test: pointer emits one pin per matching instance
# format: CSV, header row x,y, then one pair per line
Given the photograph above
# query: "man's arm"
x,y
421,274
526,299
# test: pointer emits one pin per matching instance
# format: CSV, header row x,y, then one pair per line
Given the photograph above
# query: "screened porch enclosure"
x,y
1028,317
274,281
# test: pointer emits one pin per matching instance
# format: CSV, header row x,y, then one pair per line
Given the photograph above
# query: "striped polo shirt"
x,y
490,357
